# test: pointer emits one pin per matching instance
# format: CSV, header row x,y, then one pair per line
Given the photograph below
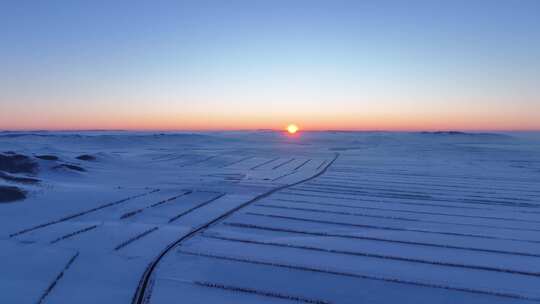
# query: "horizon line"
x,y
271,130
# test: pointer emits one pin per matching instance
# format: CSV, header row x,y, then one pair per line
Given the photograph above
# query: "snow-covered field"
x,y
263,217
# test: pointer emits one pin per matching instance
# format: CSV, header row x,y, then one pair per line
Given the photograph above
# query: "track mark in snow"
x,y
137,211
302,164
379,239
69,217
284,175
373,255
258,292
135,238
150,289
265,163
198,161
72,234
363,276
58,277
195,208
237,162
283,164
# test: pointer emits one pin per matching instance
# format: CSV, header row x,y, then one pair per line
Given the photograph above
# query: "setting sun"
x,y
292,128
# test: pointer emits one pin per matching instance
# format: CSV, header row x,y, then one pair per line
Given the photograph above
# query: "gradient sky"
x,y
392,65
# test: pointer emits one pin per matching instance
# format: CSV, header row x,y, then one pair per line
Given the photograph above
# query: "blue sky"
x,y
262,64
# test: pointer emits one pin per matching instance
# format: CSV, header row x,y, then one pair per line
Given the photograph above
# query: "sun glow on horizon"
x,y
292,128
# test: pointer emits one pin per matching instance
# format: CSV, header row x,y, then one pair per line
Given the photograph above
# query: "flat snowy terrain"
x,y
263,217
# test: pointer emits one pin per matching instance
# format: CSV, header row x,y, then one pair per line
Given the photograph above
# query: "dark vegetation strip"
x,y
410,185
198,161
497,202
208,191
57,279
364,276
398,195
455,178
284,175
264,293
135,238
69,217
265,163
499,197
322,164
17,179
17,163
72,234
367,191
283,163
375,255
170,199
506,191
396,218
339,183
352,180
411,211
480,236
441,197
388,193
417,197
361,200
451,180
390,187
47,157
336,212
409,174
163,156
457,181
176,217
378,239
171,157
237,162
302,164
139,296
9,194
70,167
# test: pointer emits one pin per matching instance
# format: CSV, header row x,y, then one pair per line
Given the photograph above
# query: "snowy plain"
x,y
264,217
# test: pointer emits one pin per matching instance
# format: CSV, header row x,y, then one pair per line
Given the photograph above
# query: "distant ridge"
x,y
61,131
465,134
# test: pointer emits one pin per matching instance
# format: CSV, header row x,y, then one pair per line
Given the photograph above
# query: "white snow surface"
x,y
264,217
